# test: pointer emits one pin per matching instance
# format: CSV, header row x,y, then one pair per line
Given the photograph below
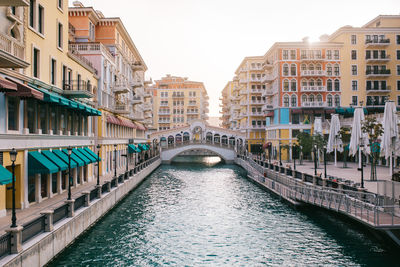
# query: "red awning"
x,y
113,120
297,111
127,123
270,114
140,126
24,91
7,86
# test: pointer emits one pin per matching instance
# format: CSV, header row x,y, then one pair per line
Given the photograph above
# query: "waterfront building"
x,y
230,106
177,101
121,96
47,103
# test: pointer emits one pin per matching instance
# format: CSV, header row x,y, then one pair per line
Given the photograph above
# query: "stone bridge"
x,y
198,136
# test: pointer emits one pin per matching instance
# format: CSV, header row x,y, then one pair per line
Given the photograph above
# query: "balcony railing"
x,y
381,58
256,91
78,88
381,42
136,84
257,113
192,112
378,89
137,100
313,88
120,88
75,55
377,73
312,57
243,81
175,95
257,102
313,73
163,112
14,56
121,108
267,78
107,101
313,104
164,121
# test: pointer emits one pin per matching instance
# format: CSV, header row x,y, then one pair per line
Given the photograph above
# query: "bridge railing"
x,y
197,142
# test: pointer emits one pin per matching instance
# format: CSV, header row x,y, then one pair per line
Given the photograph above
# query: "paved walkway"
x,y
350,173
26,215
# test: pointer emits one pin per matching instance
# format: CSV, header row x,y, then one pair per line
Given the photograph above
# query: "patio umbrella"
x,y
334,142
317,126
390,132
357,136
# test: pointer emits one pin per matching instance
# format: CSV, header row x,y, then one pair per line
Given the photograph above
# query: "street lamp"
x,y
325,162
115,160
315,159
13,158
280,157
126,155
362,165
294,150
69,149
98,164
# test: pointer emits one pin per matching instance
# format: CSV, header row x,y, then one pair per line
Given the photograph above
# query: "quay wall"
x,y
43,248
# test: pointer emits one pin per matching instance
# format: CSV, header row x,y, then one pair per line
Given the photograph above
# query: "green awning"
x,y
90,152
81,156
75,158
47,96
73,104
81,107
143,147
131,149
62,166
5,176
37,163
64,157
86,154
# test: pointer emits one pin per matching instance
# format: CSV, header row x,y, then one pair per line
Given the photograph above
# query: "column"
x,y
38,197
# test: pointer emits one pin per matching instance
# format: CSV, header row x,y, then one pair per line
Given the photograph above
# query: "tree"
x,y
345,135
374,130
305,142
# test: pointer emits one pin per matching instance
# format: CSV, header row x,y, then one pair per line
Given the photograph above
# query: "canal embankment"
x,y
59,228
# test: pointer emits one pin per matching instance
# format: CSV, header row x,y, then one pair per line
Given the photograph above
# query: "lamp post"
x,y
69,149
126,155
315,159
294,150
280,154
98,164
361,169
325,162
115,160
13,157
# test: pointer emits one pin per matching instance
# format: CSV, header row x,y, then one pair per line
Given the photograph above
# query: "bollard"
x,y
48,220
303,177
98,187
87,198
109,186
71,211
16,239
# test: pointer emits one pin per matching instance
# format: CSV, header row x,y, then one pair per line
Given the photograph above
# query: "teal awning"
x,y
64,157
73,104
81,156
5,176
90,152
62,166
37,163
75,158
143,147
133,149
86,154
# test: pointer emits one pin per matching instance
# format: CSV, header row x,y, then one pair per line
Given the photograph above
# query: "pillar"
x,y
16,239
71,211
48,227
87,198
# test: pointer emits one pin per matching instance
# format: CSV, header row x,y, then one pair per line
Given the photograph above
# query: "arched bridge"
x,y
197,137
224,151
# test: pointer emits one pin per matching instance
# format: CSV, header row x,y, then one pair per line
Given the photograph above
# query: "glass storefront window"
x,y
31,188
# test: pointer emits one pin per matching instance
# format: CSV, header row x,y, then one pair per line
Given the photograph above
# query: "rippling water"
x,y
205,214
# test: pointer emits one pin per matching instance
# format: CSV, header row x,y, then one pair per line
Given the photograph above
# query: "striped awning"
x,y
24,91
127,123
113,120
140,126
7,86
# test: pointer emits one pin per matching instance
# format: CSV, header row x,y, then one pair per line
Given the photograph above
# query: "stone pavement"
x,y
26,215
350,173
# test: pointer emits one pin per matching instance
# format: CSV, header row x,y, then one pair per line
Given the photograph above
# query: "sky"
x,y
206,40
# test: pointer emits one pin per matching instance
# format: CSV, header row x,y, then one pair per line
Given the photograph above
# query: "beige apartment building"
x,y
177,101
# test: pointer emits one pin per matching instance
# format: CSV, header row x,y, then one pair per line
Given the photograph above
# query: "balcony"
x,y
120,88
376,101
243,81
12,54
257,102
164,112
267,78
371,90
75,55
164,105
243,92
256,91
267,65
14,3
89,48
312,58
136,84
256,127
78,89
377,73
267,107
313,88
137,66
256,113
256,68
147,107
121,108
176,95
315,104
313,73
164,121
255,80
192,112
381,42
371,59
136,100
13,17
192,104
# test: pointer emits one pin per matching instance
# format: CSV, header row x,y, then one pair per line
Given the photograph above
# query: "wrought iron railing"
x,y
5,245
33,228
79,202
60,213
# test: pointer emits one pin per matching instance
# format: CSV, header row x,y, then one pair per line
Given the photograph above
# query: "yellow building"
x,y
177,101
370,62
230,106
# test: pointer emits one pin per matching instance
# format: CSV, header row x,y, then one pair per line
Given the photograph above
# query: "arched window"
x,y
329,85
311,67
311,98
303,67
337,100
337,85
329,70
319,98
286,101
336,70
304,98
285,70
329,100
319,82
304,83
293,100
318,67
311,82
286,85
293,85
293,69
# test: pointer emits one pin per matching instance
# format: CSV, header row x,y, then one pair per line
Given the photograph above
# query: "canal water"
x,y
207,213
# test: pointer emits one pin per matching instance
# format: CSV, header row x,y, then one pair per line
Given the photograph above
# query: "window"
x,y
293,69
398,54
337,100
293,85
319,98
336,70
60,4
353,39
13,114
60,35
79,78
337,85
329,54
41,19
285,55
336,54
32,6
398,39
53,66
293,101
398,100
398,85
286,85
397,69
354,100
31,109
318,67
329,100
354,85
293,54
91,31
36,63
353,69
285,70
329,85
329,70
354,54
286,101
